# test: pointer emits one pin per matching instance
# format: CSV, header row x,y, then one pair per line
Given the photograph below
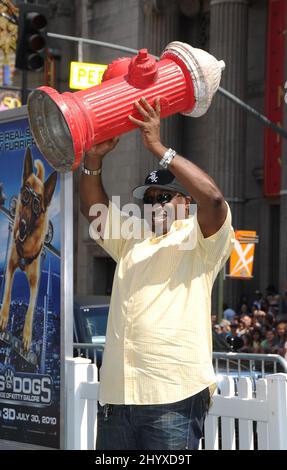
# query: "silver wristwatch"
x,y
88,172
167,158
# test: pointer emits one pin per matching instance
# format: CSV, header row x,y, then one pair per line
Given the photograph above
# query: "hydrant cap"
x,y
143,70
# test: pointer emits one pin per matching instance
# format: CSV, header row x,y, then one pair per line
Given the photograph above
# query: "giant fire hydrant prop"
x,y
65,125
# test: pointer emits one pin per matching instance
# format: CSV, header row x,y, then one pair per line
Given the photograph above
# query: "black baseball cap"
x,y
163,179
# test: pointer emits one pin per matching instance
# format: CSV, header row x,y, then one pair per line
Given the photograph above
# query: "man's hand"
x,y
150,125
100,150
94,156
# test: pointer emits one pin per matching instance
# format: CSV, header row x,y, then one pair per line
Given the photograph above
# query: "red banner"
x,y
274,87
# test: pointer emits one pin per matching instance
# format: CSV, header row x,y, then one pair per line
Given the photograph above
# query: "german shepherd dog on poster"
x,y
28,236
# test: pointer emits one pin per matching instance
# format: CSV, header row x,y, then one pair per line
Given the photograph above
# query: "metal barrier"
x,y
226,362
90,350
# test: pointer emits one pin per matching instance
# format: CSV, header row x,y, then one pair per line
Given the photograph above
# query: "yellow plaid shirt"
x,y
159,341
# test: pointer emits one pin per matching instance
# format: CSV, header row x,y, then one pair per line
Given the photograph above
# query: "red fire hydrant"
x,y
65,125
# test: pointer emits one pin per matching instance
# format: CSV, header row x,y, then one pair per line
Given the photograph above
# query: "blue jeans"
x,y
159,427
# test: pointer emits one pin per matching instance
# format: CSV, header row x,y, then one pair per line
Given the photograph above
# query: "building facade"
x,y
227,142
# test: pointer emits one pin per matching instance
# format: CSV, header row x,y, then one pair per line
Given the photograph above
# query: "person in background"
x,y
258,316
280,338
233,339
213,319
247,344
225,327
245,325
268,344
257,337
258,299
244,310
228,313
273,299
283,307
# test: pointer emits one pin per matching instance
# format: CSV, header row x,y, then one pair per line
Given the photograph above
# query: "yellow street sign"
x,y
84,75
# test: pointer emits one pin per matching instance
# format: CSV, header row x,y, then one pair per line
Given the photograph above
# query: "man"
x,y
228,313
157,369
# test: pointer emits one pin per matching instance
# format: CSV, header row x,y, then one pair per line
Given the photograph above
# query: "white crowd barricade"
x,y
82,396
235,420
241,416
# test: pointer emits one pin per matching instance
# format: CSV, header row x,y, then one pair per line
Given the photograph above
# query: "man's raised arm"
x,y
212,209
91,187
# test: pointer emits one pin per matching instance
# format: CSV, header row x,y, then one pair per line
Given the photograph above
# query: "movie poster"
x,y
29,290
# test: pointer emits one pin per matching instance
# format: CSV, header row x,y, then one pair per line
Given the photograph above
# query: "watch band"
x,y
167,158
88,172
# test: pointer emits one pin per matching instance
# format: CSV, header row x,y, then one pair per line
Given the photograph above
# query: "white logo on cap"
x,y
153,177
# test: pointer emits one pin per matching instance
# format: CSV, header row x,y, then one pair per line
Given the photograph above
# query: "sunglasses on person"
x,y
161,198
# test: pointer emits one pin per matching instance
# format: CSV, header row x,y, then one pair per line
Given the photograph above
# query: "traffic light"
x,y
32,37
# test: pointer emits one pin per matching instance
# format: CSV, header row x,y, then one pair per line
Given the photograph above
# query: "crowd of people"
x,y
258,325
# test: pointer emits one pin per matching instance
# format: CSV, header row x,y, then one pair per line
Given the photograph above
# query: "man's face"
x,y
163,207
246,321
270,335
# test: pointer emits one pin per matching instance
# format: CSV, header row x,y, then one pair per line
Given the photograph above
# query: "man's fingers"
x,y
141,110
138,122
147,106
115,140
157,106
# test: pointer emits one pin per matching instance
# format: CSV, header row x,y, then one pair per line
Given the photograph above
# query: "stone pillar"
x,y
115,22
81,274
159,25
228,41
283,194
